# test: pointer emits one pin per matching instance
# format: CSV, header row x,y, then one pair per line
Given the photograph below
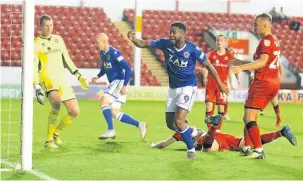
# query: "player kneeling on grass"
x,y
118,73
215,140
50,60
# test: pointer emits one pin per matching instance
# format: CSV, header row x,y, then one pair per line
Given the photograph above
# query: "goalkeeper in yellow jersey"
x,y
50,79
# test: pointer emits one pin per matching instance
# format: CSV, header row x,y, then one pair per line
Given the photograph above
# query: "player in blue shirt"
x,y
118,73
180,59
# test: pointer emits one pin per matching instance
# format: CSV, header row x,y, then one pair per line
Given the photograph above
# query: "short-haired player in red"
x,y
215,140
220,59
265,85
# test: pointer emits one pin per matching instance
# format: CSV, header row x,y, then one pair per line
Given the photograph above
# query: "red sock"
x,y
277,111
247,139
209,137
207,114
225,109
269,137
178,136
254,134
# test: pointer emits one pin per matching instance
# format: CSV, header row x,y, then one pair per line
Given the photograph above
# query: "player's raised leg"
x,y
221,108
125,118
210,108
214,122
72,108
276,107
271,136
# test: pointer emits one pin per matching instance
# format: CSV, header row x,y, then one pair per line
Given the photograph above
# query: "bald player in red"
x,y
220,59
265,85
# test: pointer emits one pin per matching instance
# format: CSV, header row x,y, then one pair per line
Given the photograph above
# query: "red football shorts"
x,y
260,94
213,94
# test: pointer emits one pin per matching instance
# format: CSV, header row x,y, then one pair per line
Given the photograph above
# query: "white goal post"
x,y
27,85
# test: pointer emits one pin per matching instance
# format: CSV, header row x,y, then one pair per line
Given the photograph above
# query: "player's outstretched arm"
x,y
100,74
230,78
164,143
212,71
238,62
260,63
204,74
69,64
137,42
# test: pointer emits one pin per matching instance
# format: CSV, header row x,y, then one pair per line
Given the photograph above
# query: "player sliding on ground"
x,y
219,58
50,60
265,85
180,59
118,73
215,140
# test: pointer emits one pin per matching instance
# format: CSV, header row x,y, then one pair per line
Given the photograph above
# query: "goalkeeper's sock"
x,y
52,122
65,121
187,138
108,116
127,119
269,137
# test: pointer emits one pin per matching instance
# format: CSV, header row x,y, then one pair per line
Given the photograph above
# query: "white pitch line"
x,y
35,172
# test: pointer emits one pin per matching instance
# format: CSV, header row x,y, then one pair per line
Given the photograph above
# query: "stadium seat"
x,y
152,19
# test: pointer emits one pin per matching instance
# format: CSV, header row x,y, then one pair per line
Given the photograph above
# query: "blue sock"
x,y
127,119
108,116
186,136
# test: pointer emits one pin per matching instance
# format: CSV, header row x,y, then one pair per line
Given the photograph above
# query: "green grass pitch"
x,y
84,157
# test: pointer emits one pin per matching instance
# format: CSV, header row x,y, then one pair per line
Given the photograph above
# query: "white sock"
x,y
259,149
192,150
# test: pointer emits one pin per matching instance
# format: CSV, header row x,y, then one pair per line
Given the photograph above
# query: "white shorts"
x,y
182,97
113,92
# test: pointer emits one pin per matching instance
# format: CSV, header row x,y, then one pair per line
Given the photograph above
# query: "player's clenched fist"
x,y
94,79
131,35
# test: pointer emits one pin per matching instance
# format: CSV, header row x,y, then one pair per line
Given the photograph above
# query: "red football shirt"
x,y
220,63
268,45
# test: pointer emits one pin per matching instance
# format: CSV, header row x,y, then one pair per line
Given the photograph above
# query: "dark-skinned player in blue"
x,y
180,59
